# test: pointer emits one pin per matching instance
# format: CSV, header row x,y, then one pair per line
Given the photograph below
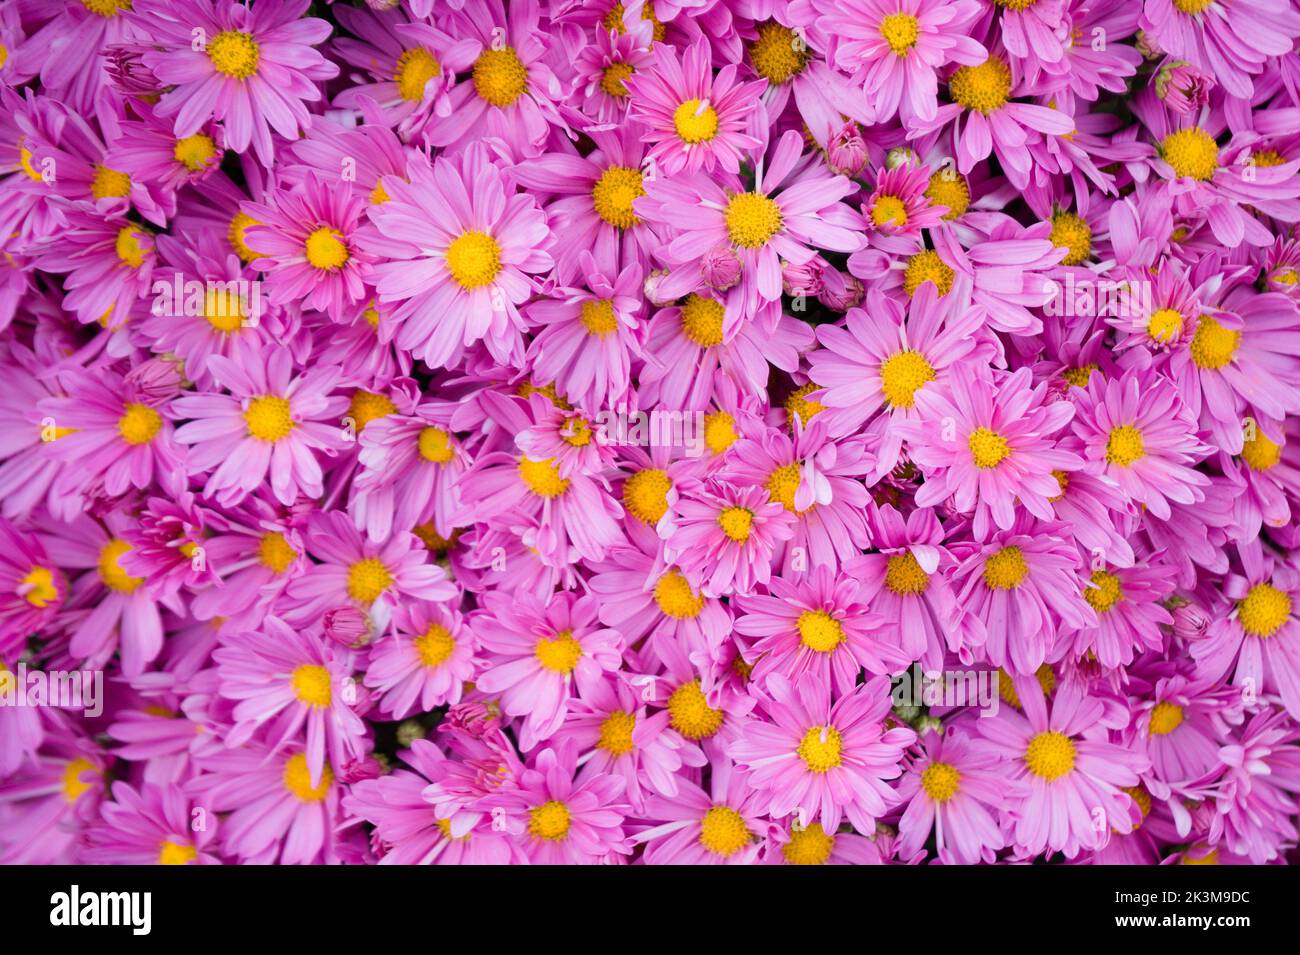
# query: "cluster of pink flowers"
x,y
724,431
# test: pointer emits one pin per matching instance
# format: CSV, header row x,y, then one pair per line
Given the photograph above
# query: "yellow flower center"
x,y
128,246
1165,325
597,317
41,590
435,445
139,424
1192,7
808,846
1072,232
820,749
1211,857
1050,755
695,122
234,54
988,448
614,21
236,233
73,785
109,183
675,597
752,219
940,781
984,88
903,575
1105,593
175,853
1213,346
615,191
543,477
559,654
736,523
106,8
274,552
474,259
311,685
799,405
926,266
690,714
819,631
269,418
1260,453
720,431
1269,157
778,54
367,579
1006,569
616,733
1263,610
702,320
550,821
723,831
111,573
367,406
414,70
613,79
195,152
1191,152
949,189
645,495
782,485
900,31
326,249
500,76
297,780
224,310
889,210
1007,687
1125,446
435,646
902,375
1141,797
1165,718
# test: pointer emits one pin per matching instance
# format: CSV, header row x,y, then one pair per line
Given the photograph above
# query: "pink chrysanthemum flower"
x,y
723,537
57,797
950,789
32,587
894,48
305,240
725,826
1184,723
1067,782
694,120
602,68
425,663
1258,803
1137,431
459,248
537,655
559,820
290,680
269,425
989,447
900,206
1129,614
108,263
253,72
820,761
814,624
153,825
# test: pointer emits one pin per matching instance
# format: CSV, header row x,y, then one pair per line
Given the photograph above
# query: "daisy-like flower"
x,y
882,362
1184,723
108,263
537,655
58,795
353,570
900,207
1137,431
954,789
290,680
269,424
277,814
153,825
1129,615
694,120
722,537
305,240
425,663
726,825
253,71
32,587
1256,636
989,446
557,819
823,762
895,48
148,151
793,208
602,69
1067,781
814,624
459,249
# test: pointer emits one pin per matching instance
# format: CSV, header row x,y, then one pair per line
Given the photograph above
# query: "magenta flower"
x,y
955,790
